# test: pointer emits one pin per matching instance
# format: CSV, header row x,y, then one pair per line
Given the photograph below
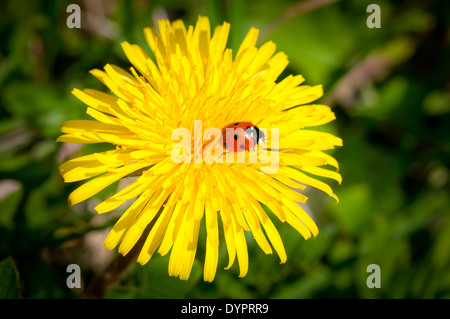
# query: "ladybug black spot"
x,y
237,123
236,137
242,146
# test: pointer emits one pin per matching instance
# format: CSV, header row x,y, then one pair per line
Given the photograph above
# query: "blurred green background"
x,y
389,88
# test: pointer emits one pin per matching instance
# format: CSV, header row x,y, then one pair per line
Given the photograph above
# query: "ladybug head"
x,y
258,135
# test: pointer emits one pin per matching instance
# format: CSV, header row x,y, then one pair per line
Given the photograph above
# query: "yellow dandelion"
x,y
196,78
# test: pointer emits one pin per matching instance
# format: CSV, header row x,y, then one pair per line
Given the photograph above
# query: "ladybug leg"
x,y
226,152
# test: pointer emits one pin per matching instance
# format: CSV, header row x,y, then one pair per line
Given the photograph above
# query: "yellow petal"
x,y
249,41
322,172
271,231
155,236
302,178
241,248
97,184
230,242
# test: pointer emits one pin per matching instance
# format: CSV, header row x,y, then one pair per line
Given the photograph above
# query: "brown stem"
x,y
117,267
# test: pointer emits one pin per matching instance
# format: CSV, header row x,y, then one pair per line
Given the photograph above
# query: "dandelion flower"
x,y
193,76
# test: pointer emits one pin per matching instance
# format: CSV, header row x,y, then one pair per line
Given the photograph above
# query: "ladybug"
x,y
245,136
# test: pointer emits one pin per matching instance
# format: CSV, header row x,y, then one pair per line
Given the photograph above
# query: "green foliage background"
x,y
389,88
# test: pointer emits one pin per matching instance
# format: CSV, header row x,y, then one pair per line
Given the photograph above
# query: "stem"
x,y
292,12
118,266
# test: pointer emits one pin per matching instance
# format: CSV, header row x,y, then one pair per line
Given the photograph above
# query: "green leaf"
x,y
10,203
305,287
45,106
153,281
9,280
230,286
353,211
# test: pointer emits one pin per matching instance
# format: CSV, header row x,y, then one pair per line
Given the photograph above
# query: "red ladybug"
x,y
244,135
